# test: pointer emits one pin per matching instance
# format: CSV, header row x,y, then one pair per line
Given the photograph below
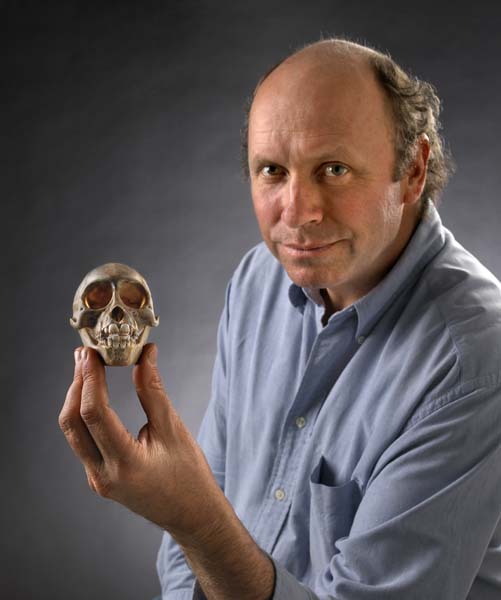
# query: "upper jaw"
x,y
117,335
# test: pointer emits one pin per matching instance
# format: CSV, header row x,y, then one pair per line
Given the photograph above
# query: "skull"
x,y
113,312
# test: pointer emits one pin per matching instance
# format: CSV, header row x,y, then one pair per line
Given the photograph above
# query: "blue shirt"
x,y
363,456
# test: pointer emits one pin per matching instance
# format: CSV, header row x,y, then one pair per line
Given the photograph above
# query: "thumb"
x,y
150,389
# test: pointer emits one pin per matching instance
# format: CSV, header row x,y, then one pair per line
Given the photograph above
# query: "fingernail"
x,y
77,355
152,355
83,354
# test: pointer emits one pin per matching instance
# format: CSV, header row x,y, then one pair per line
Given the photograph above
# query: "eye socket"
x,y
335,170
269,171
98,295
132,294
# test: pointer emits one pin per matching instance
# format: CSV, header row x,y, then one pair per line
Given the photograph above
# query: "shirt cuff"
x,y
287,587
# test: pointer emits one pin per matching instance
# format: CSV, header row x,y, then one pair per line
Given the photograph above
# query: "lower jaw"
x,y
120,357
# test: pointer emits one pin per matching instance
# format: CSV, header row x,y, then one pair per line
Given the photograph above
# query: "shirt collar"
x,y
426,242
298,296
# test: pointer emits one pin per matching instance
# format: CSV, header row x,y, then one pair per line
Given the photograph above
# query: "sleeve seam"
x,y
447,326
488,381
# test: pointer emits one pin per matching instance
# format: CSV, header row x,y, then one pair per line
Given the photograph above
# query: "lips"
x,y
307,249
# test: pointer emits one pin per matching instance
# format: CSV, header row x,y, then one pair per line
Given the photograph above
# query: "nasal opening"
x,y
117,314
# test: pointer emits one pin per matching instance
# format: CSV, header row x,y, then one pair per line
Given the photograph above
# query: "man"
x,y
355,420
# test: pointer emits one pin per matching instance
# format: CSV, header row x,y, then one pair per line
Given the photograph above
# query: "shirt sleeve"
x,y
177,581
428,513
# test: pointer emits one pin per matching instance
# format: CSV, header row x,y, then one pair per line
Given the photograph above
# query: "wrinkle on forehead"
x,y
314,148
320,142
302,132
322,112
319,94
272,124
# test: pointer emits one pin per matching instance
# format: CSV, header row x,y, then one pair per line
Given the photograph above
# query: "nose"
x,y
117,314
302,203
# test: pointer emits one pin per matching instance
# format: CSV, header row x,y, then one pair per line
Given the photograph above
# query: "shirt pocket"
x,y
332,510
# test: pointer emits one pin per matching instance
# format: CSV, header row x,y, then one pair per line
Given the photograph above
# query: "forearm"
x,y
227,562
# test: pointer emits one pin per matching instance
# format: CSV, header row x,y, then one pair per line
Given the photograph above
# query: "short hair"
x,y
414,106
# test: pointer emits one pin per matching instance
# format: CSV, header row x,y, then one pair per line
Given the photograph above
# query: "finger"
x,y
71,423
102,422
150,389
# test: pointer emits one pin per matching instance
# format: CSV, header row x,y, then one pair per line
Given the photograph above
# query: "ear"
x,y
415,177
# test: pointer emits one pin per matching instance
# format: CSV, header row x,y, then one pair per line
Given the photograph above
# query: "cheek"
x,y
352,215
266,210
373,214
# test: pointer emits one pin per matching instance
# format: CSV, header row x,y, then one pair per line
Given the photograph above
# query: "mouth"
x,y
118,336
303,250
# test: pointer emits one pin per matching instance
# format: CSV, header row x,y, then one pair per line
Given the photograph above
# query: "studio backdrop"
x,y
120,142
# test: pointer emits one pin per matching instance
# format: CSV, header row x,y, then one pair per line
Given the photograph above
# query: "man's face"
x,y
321,159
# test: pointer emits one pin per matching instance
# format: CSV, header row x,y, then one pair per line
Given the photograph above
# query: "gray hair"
x,y
414,106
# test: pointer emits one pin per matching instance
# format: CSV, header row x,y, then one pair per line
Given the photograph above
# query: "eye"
x,y
269,171
335,170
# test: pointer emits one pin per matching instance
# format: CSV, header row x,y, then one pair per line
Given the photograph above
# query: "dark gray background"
x,y
120,142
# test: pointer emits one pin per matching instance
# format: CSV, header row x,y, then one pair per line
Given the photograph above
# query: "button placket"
x,y
315,384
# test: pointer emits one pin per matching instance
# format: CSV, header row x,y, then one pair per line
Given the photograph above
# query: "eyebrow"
x,y
325,156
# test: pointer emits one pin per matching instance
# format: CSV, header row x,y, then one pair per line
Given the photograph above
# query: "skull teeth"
x,y
118,341
113,328
117,335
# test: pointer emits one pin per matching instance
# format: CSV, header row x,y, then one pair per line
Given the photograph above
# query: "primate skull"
x,y
113,313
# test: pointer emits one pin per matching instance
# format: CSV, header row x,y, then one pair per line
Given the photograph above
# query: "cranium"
x,y
113,313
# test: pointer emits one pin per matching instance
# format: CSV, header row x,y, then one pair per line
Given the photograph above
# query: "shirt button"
x,y
360,339
300,422
279,494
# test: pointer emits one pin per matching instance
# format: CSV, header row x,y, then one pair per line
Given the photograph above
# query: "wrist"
x,y
211,518
226,560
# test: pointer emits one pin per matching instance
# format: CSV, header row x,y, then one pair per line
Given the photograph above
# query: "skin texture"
x,y
321,158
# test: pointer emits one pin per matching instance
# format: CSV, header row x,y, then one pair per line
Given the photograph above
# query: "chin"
x,y
321,271
313,278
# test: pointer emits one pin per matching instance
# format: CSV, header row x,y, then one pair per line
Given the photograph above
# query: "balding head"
x,y
411,105
321,69
322,90
331,51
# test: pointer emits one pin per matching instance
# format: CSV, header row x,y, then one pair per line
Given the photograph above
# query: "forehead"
x,y
318,104
113,271
109,272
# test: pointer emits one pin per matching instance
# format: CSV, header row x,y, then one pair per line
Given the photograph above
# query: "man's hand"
x,y
163,476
